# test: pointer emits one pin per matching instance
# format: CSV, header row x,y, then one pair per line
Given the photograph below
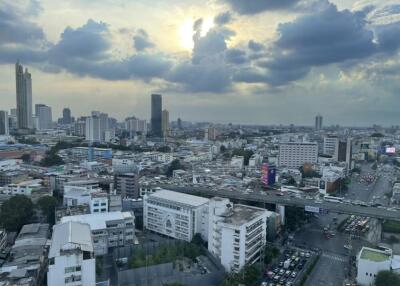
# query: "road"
x,y
271,197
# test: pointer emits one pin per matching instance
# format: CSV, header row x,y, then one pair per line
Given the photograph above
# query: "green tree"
x,y
294,217
197,239
386,278
51,159
242,152
270,252
15,212
47,205
222,149
175,165
26,158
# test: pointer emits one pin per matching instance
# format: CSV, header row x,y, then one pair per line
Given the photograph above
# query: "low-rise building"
x,y
23,188
110,229
177,215
71,256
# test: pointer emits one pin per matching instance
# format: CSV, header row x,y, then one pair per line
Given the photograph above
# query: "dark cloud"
x,y
235,56
388,37
255,46
141,41
257,6
16,29
223,18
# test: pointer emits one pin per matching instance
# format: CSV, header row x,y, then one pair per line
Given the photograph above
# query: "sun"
x,y
186,32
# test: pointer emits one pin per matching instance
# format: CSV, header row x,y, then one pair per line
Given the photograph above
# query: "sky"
x,y
240,61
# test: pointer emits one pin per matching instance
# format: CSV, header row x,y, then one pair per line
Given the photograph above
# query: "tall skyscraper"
x,y
4,123
93,128
179,122
156,115
23,82
44,116
318,122
165,122
66,116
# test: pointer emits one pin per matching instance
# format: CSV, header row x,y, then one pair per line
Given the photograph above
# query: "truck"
x,y
286,264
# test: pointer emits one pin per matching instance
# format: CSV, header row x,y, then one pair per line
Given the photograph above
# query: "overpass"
x,y
287,200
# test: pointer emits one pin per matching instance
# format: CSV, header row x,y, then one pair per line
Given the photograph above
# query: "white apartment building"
x,y
23,188
237,233
296,154
71,256
369,262
44,116
177,215
111,229
133,124
331,144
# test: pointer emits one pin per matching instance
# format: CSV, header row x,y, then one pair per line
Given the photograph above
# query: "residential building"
x,y
44,116
331,145
296,154
318,122
23,188
175,214
111,229
135,125
165,122
95,198
28,257
237,233
93,132
210,133
24,97
156,115
71,256
127,185
4,124
124,165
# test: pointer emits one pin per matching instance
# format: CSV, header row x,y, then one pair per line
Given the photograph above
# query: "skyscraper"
x,y
156,115
66,116
3,123
23,82
44,116
165,122
318,122
93,128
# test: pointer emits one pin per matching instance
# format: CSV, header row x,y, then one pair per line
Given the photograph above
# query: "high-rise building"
x,y
179,123
210,133
293,155
156,115
71,255
318,122
23,82
165,122
4,123
135,125
92,126
331,145
44,116
127,185
66,119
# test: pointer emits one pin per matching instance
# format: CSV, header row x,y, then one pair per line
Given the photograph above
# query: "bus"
x,y
333,199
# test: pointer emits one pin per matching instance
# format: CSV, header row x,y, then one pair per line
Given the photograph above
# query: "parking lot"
x,y
289,268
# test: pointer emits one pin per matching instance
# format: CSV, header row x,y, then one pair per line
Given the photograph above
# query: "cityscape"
x,y
224,159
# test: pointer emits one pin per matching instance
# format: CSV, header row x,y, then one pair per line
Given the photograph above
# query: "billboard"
x,y
390,150
264,174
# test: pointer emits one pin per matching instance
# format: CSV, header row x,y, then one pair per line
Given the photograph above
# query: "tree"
x,y
26,158
386,278
270,252
47,205
245,153
164,149
197,239
175,165
15,212
222,149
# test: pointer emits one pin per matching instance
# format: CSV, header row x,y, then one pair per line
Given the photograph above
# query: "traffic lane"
x,y
329,271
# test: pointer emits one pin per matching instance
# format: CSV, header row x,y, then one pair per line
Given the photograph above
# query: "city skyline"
x,y
218,60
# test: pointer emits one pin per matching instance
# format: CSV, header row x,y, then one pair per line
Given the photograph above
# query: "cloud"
x,y
223,18
255,46
258,6
141,41
235,56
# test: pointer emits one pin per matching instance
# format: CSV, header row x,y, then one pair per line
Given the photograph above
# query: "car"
x,y
281,264
276,270
308,254
264,284
294,274
281,272
276,278
287,273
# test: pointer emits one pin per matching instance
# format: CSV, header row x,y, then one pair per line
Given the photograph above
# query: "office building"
x,y
176,215
44,116
127,185
156,115
4,124
237,233
318,122
165,122
110,229
344,153
71,256
92,126
295,154
80,127
210,133
27,260
66,119
24,97
121,166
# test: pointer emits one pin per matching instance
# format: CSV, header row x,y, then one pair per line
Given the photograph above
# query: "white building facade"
x,y
177,215
296,154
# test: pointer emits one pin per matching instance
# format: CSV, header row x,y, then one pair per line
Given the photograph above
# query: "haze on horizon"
x,y
256,62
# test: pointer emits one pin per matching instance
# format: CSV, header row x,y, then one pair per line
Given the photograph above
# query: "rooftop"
x,y
242,214
181,198
97,220
374,255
